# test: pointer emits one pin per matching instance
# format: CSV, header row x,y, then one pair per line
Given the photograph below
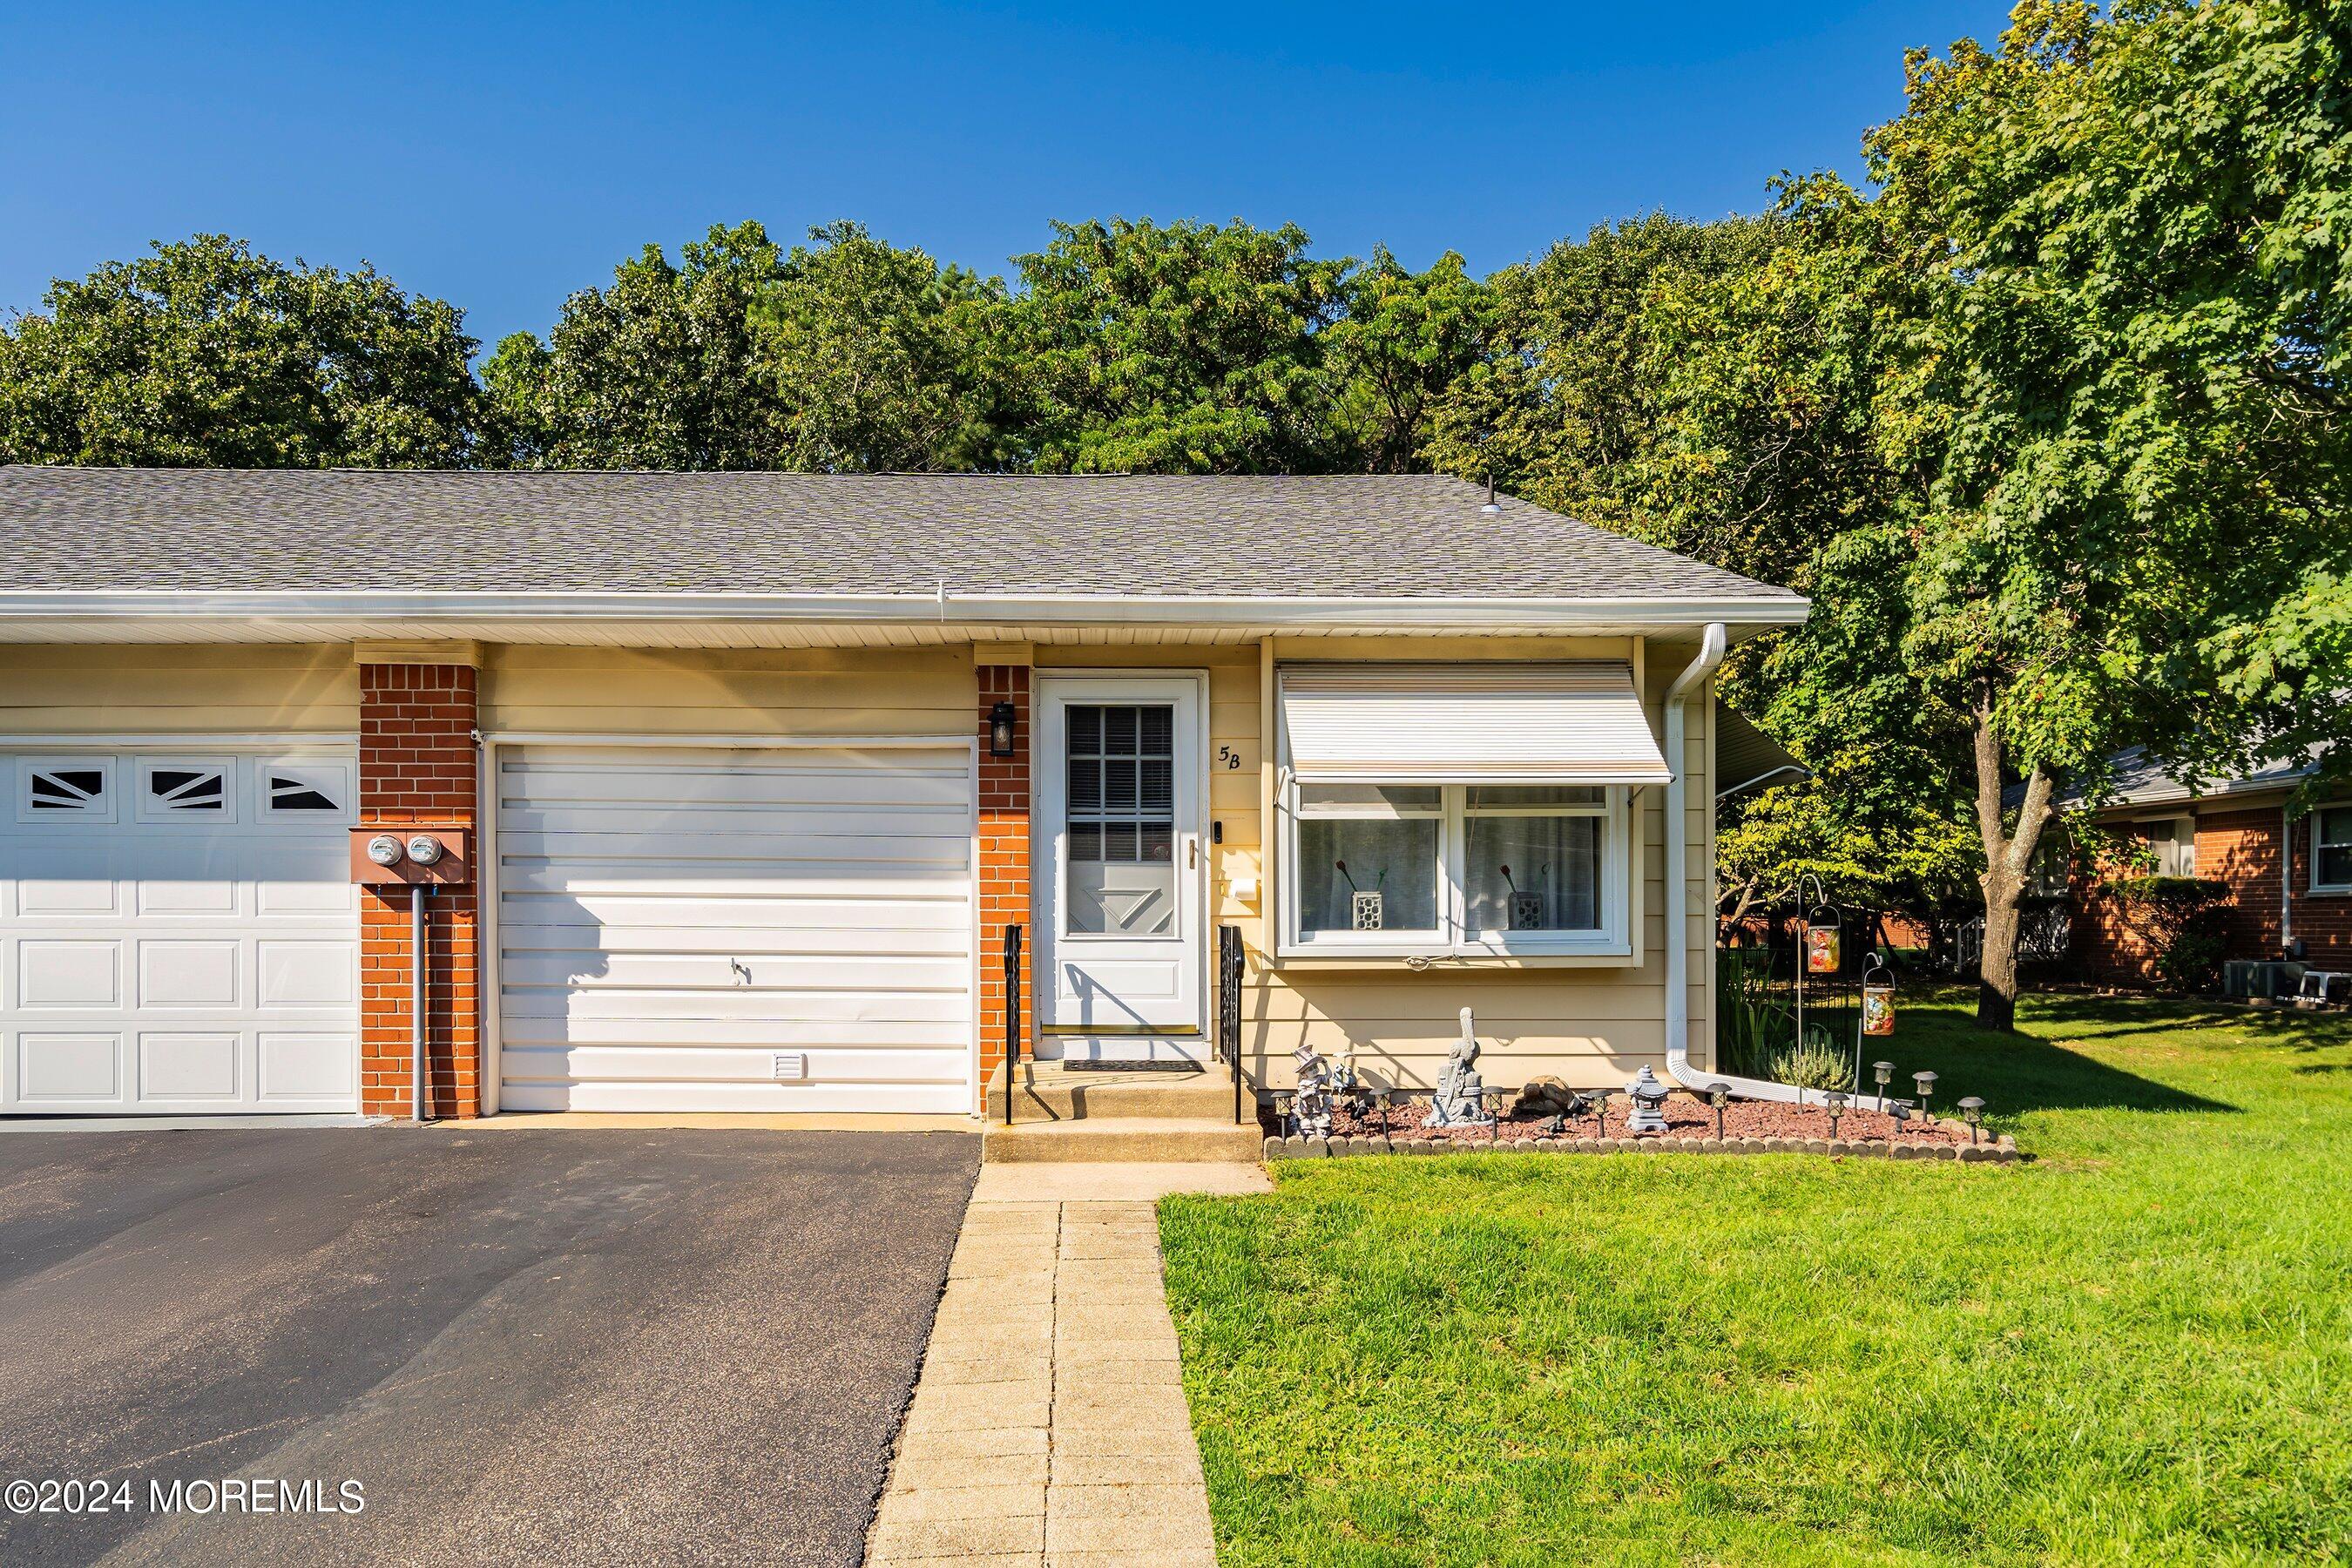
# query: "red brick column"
x,y
417,769
1003,864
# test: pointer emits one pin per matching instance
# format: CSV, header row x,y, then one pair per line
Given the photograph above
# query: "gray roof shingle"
x,y
69,529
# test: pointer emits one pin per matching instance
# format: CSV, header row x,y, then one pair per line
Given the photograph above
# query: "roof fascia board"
x,y
1077,609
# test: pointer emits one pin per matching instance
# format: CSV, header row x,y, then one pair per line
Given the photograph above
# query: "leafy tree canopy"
x,y
1178,348
205,354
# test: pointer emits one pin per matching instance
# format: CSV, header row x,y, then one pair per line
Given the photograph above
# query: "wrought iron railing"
x,y
1012,1015
1229,1007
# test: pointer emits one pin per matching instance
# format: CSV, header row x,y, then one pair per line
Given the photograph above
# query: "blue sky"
x,y
500,156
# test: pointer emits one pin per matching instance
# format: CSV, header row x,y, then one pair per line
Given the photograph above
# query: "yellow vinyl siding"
x,y
722,691
159,689
1589,1021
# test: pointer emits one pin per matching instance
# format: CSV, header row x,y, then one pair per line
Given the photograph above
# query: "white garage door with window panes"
x,y
720,928
178,931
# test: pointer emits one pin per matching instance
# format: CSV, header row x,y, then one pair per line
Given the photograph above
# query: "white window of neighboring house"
x,y
2174,841
2331,849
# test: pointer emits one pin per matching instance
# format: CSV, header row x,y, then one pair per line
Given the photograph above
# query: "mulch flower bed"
x,y
1750,1126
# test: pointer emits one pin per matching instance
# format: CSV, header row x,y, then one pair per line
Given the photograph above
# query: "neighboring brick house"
x,y
2229,832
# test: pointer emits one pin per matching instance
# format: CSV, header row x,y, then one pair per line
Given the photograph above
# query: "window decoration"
x,y
305,789
68,789
189,789
2331,847
65,789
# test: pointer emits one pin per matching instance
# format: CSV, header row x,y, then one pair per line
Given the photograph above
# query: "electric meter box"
x,y
380,867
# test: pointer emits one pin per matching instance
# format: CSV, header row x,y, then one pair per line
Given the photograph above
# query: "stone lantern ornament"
x,y
1649,1098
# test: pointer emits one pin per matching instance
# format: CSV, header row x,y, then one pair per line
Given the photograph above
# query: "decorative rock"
x,y
1839,1146
1976,1154
1318,1148
1753,1145
1357,1143
1817,1145
1545,1096
1902,1151
1294,1147
1272,1145
1547,1145
1948,1152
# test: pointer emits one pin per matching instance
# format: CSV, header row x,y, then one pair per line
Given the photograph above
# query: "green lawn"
x,y
2136,1347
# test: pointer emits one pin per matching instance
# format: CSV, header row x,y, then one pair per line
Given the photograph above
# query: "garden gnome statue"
x,y
1461,1100
1649,1098
1314,1104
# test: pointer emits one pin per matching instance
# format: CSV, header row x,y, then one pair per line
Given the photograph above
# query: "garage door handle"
x,y
741,969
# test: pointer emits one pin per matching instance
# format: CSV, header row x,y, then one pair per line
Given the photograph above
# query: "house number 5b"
x,y
1229,758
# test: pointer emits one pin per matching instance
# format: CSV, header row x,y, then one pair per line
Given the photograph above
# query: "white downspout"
x,y
1677,848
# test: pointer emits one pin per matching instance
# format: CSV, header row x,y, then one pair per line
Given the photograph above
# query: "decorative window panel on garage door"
x,y
708,929
178,933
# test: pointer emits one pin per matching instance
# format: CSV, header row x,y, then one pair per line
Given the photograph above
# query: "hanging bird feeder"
x,y
1878,999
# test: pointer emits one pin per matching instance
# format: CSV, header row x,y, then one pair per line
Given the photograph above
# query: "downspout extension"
x,y
1677,850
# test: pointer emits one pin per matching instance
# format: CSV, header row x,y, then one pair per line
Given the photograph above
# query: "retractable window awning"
x,y
1522,723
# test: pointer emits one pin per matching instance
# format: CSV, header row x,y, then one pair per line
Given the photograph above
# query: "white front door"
x,y
1119,909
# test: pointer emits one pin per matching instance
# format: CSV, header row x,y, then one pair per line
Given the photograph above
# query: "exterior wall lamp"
x,y
1000,729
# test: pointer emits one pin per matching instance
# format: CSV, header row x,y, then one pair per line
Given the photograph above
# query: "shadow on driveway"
x,y
529,1347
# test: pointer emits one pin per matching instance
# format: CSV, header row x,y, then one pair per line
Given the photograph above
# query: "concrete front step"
x,y
1171,1139
1047,1091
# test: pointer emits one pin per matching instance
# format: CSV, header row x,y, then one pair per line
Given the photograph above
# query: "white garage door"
x,y
734,929
178,931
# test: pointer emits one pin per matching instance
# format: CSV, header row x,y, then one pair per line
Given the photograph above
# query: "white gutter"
x,y
1677,848
940,604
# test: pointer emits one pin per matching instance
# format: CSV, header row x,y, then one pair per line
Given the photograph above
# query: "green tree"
x,y
1564,406
2117,358
880,359
1178,348
1402,340
662,369
206,355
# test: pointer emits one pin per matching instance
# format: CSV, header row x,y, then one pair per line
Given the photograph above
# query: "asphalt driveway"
x,y
558,1346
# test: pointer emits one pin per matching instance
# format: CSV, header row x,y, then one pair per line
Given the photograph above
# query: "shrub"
x,y
1815,1064
2179,919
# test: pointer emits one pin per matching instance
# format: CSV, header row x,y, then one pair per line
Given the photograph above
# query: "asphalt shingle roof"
x,y
67,528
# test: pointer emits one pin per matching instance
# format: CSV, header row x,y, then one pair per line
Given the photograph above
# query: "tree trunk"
x,y
2008,857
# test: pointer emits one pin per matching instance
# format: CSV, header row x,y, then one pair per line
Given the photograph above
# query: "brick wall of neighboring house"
x,y
1003,863
2241,848
417,770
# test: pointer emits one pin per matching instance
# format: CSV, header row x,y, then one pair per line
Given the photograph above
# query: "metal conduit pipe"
x,y
417,957
1711,647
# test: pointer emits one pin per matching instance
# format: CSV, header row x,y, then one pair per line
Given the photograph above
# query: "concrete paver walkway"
x,y
1049,1428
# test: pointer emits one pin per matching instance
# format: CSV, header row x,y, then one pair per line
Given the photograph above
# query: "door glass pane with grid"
x,y
1121,821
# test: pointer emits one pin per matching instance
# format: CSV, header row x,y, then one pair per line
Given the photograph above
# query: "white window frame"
x,y
2318,814
145,809
311,769
1452,939
108,807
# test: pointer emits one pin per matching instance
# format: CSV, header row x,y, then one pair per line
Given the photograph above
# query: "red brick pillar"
x,y
417,769
1003,863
